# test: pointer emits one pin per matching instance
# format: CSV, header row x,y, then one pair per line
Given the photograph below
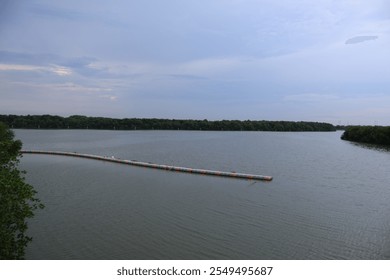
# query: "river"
x,y
329,198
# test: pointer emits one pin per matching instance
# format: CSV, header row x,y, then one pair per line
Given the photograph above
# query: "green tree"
x,y
18,199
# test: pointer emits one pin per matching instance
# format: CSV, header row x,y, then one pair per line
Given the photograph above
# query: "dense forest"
x,y
368,134
83,122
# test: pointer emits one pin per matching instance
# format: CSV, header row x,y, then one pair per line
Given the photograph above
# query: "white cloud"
x,y
73,87
17,67
110,97
61,71
58,70
76,87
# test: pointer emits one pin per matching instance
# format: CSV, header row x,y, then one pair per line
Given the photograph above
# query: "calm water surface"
x,y
329,198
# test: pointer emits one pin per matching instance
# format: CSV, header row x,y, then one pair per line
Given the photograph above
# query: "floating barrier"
x,y
153,165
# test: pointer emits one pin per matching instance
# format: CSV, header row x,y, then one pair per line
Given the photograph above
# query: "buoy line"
x,y
154,165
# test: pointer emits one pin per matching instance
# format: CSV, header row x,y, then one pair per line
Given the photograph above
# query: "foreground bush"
x,y
17,199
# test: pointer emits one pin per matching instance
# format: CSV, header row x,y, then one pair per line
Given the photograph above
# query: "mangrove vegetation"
x,y
84,122
379,135
18,200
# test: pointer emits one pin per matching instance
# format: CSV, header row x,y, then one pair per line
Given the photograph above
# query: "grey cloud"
x,y
26,58
56,13
77,62
360,39
73,15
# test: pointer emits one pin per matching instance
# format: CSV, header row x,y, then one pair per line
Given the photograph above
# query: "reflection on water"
x,y
328,200
376,147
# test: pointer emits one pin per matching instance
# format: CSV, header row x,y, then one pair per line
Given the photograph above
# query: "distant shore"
x,y
84,122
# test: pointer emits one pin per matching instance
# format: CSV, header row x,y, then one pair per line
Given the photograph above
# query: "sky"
x,y
298,60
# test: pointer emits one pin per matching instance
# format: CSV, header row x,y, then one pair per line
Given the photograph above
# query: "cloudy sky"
x,y
294,60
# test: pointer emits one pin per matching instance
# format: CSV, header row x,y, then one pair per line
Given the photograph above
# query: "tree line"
x,y
379,135
84,122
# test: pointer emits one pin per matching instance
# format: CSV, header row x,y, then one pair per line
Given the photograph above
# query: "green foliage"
x,y
379,135
17,199
83,122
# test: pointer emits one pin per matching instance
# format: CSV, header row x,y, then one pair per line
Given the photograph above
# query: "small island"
x,y
379,135
84,122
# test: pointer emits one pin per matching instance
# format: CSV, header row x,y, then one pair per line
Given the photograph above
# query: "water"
x,y
329,198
